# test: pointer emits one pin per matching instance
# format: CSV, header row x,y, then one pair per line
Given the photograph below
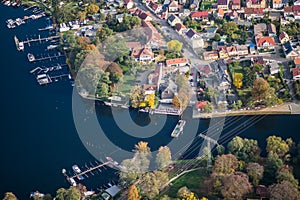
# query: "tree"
x,y
60,194
185,194
9,196
115,72
283,190
72,193
277,145
230,28
150,100
174,46
225,164
104,32
235,186
163,157
260,89
137,95
208,107
257,67
249,77
285,173
91,9
220,149
237,80
133,193
255,172
217,37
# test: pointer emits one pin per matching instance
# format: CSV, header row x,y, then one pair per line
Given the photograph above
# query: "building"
x,y
194,39
223,4
253,13
242,50
129,4
222,52
168,90
199,15
265,43
173,6
173,20
297,61
277,4
283,37
289,51
232,51
296,73
274,68
142,15
176,62
256,3
219,13
143,55
260,29
210,55
272,30
194,5
236,5
180,28
156,8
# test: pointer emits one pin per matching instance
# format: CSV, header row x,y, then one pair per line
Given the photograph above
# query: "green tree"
x,y
277,145
248,77
9,196
285,173
104,32
72,193
260,89
283,190
91,9
174,46
225,164
230,28
163,157
60,194
255,171
220,149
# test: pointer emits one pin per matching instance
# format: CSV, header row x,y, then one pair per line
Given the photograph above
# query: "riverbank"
x,y
284,109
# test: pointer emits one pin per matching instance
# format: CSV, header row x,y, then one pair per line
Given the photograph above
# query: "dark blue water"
x,y
38,135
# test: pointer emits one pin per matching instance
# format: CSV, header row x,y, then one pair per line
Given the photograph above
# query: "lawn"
x,y
128,83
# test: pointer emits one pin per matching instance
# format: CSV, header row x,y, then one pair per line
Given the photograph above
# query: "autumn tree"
x,y
277,145
284,190
174,46
225,164
235,186
163,157
115,72
285,173
238,80
150,100
260,89
137,95
185,194
255,172
104,32
91,9
9,196
133,193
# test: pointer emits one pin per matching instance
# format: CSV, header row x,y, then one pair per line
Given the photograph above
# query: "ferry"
x,y
30,57
76,169
178,128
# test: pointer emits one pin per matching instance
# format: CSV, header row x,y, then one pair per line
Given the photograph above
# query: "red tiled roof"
x,y
236,2
296,8
253,11
263,40
288,9
296,71
199,14
138,52
297,61
220,11
176,61
231,48
283,35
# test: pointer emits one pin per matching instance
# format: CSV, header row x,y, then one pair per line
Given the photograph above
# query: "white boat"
x,y
43,79
21,46
51,47
76,169
30,57
178,128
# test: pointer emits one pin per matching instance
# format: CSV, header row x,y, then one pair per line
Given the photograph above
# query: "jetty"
x,y
38,39
49,57
178,128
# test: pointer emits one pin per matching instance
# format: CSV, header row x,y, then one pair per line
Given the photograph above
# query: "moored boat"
x,y
30,57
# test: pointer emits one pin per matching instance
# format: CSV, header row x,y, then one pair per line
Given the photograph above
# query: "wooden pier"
x,y
90,170
49,57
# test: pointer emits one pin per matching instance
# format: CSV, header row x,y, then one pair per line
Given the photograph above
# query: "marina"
x,y
178,128
38,39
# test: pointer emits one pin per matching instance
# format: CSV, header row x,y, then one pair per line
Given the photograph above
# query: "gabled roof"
x,y
231,49
153,5
191,33
139,52
262,40
133,45
220,11
236,2
171,18
128,1
199,14
222,2
288,9
296,71
179,26
176,61
173,4
297,61
254,11
283,35
272,28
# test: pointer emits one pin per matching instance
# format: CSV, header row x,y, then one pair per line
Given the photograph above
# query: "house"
x,y
233,15
222,52
223,4
288,11
283,37
143,55
194,4
150,88
173,20
209,33
260,29
258,60
256,3
199,15
296,73
180,28
210,55
265,43
297,3
194,39
184,13
173,6
156,8
253,13
252,48
277,4
296,12
142,15
288,50
153,36
236,5
177,62
219,13
274,68
242,50
169,90
133,45
129,4
297,61
155,77
272,30
274,16
232,51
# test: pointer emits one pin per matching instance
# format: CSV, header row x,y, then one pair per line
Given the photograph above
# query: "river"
x,y
39,136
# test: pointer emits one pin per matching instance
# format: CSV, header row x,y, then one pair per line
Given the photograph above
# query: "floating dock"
x,y
38,39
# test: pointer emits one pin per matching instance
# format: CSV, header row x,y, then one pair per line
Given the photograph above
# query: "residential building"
x,y
283,37
277,4
222,52
143,55
129,4
210,55
252,49
272,30
209,33
199,15
194,4
258,60
242,50
155,77
223,4
256,3
133,45
194,39
168,90
289,51
274,67
156,8
154,38
180,28
219,13
274,16
236,5
232,51
260,29
150,88
142,15
176,62
287,11
233,15
297,61
296,12
173,6
265,43
173,20
253,13
296,73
